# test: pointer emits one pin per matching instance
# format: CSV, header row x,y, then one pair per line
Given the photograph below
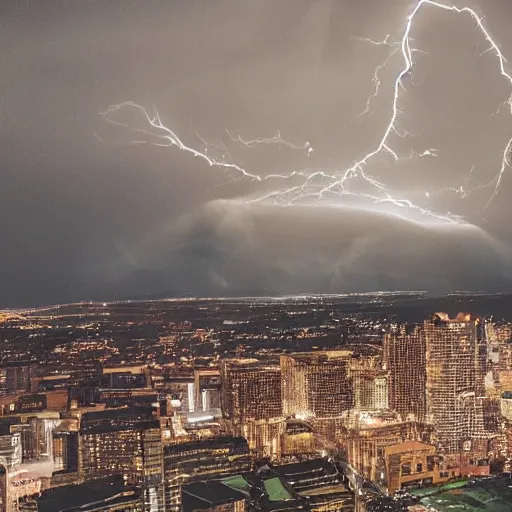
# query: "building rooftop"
x,y
126,418
489,494
205,495
409,446
321,355
237,482
301,469
276,490
216,442
88,496
459,318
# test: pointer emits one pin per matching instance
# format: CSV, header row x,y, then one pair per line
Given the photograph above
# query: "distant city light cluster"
x,y
226,405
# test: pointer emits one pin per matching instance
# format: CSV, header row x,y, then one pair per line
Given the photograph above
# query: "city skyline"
x,y
319,404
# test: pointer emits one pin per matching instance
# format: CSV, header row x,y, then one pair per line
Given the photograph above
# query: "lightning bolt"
x,y
277,139
165,137
496,181
317,185
376,77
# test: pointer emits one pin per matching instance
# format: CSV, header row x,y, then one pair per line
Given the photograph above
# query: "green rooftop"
x,y
275,490
238,483
487,495
427,491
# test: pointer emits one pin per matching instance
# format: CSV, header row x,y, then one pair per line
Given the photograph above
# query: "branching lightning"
x,y
277,139
165,137
316,186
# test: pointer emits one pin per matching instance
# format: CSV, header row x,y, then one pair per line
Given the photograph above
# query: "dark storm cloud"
x,y
228,247
76,211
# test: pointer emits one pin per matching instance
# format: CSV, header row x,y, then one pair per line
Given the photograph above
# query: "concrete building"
x,y
369,434
15,377
207,459
455,362
317,384
127,442
250,391
405,359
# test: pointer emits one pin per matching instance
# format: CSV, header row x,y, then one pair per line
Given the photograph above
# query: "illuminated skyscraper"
x,y
455,360
250,390
251,403
201,460
15,378
405,359
207,389
370,384
124,442
317,384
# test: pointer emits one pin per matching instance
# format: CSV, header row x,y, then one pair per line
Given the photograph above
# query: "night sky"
x,y
87,214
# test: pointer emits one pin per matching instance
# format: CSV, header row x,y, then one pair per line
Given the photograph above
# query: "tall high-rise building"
x,y
371,390
127,442
201,460
250,390
15,378
65,451
405,359
370,384
317,384
455,362
207,389
10,446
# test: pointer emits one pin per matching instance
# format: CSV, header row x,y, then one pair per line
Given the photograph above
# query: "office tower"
x,y
33,440
251,403
207,389
15,378
264,436
455,359
371,390
181,392
317,384
370,434
250,391
124,441
10,446
405,359
370,384
65,450
201,460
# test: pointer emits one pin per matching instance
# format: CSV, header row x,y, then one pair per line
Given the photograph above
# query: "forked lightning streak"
x,y
318,186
